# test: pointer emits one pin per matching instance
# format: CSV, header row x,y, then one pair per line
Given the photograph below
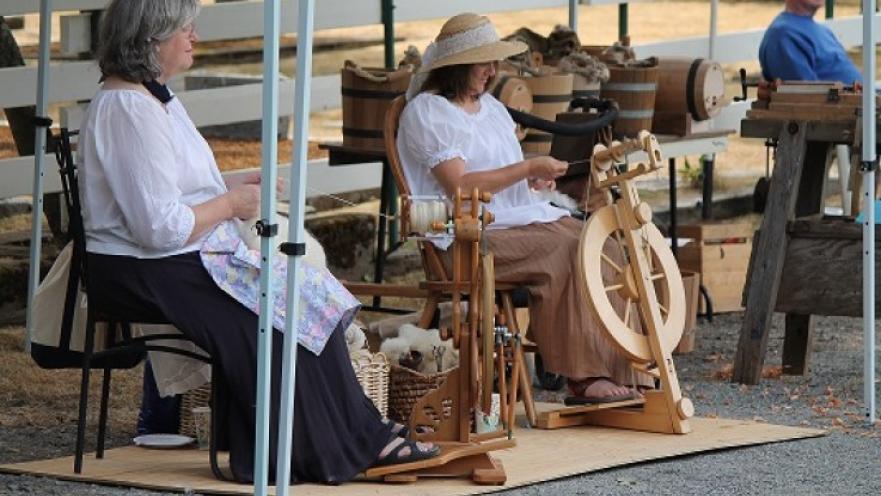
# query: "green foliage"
x,y
692,174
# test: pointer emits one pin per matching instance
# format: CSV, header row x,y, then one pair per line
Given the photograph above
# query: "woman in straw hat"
x,y
162,245
454,134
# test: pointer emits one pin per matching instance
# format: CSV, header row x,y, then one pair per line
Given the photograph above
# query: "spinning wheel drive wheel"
x,y
625,323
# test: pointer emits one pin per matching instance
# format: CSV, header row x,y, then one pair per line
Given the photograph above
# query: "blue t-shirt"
x,y
797,48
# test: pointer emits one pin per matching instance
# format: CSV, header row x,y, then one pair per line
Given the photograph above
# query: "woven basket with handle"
x,y
200,396
406,386
372,371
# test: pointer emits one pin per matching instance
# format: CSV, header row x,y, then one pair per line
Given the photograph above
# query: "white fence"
x,y
76,81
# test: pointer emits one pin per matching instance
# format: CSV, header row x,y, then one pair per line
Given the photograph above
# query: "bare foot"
x,y
599,389
604,388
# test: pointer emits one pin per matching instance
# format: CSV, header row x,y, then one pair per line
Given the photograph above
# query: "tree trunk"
x,y
21,124
20,118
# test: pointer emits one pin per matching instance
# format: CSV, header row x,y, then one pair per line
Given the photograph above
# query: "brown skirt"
x,y
544,258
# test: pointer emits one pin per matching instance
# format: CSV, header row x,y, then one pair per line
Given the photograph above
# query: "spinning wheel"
x,y
448,410
635,291
622,322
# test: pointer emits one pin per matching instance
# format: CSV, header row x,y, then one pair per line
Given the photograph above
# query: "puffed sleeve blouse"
x,y
433,130
142,167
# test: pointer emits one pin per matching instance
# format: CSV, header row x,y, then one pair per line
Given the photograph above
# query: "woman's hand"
x,y
542,184
546,168
244,200
254,178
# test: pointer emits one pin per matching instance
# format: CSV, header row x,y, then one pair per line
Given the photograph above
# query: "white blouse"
x,y
433,130
142,167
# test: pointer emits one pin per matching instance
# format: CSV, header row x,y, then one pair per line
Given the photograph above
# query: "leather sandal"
x,y
416,453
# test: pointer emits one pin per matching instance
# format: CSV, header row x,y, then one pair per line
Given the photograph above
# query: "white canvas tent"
x,y
297,181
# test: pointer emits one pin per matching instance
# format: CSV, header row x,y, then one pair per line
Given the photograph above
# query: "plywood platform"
x,y
536,458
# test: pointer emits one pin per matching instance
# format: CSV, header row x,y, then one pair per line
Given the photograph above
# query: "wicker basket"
x,y
372,371
200,396
406,387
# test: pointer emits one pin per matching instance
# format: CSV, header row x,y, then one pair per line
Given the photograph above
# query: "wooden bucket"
x,y
634,88
513,92
551,95
690,86
582,88
367,93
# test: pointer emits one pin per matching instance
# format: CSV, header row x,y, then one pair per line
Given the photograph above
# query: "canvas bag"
x,y
48,314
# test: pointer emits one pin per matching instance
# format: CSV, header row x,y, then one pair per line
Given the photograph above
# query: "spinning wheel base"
x,y
649,414
470,460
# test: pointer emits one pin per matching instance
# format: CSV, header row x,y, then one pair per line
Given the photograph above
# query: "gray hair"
x,y
132,29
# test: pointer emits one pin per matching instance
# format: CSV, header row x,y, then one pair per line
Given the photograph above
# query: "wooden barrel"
x,y
367,93
513,92
584,88
633,87
690,86
551,95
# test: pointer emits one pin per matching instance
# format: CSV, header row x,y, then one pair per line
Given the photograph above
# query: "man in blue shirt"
x,y
795,47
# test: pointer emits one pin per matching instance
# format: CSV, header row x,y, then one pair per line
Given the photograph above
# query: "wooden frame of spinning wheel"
x,y
438,283
659,297
448,409
463,454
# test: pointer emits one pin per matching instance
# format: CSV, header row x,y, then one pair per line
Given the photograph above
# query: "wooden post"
x,y
812,184
767,265
797,343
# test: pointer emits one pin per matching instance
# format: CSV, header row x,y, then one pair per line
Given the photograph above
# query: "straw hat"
x,y
468,39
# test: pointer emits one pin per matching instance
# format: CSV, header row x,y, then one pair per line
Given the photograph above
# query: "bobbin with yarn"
x,y
427,215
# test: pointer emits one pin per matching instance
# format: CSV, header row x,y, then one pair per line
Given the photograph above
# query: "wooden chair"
x,y
438,280
121,349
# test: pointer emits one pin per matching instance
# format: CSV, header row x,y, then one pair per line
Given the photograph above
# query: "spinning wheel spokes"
x,y
612,291
609,261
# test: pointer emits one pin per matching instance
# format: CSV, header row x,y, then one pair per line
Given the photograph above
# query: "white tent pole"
x,y
271,15
297,183
573,15
714,27
42,126
868,168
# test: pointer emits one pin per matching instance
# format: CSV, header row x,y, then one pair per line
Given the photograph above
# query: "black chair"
x,y
121,350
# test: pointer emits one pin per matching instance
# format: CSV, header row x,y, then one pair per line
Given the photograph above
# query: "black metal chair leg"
x,y
102,419
88,349
708,302
212,442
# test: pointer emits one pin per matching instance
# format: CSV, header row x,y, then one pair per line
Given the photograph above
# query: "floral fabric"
x,y
324,303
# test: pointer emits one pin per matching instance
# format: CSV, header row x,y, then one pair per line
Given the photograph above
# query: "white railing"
x,y
76,81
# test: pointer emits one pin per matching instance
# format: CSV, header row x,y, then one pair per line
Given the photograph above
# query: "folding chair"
x,y
121,350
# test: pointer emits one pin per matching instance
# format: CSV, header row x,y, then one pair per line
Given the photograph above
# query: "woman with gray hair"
x,y
161,244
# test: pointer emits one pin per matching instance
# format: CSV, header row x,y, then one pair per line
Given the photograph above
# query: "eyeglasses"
x,y
189,28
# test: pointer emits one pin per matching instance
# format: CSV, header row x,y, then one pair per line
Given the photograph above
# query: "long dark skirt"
x,y
337,430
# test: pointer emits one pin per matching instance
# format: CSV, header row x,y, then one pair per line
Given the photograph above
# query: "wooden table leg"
x,y
797,343
770,250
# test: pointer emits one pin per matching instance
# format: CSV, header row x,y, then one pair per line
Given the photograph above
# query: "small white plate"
x,y
163,441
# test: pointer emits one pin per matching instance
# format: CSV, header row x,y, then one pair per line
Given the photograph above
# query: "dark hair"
x,y
451,82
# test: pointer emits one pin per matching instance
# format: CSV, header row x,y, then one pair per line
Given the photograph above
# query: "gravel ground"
x,y
844,462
